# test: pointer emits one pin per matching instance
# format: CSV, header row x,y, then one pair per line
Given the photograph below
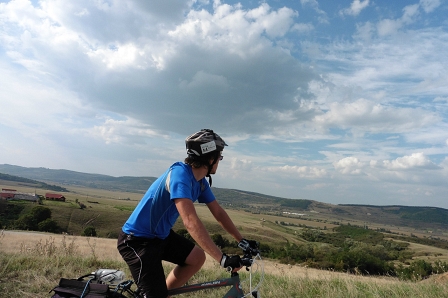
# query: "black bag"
x,y
72,288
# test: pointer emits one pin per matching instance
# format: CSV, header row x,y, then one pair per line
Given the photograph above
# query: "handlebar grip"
x,y
247,261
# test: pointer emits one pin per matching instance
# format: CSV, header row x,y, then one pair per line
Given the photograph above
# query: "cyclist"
x,y
147,237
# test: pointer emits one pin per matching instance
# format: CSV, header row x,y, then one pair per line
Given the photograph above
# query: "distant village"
x,y
12,194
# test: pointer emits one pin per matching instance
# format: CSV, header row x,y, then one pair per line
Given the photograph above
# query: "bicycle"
x,y
250,259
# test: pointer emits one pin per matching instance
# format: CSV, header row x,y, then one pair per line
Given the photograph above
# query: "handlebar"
x,y
248,258
248,250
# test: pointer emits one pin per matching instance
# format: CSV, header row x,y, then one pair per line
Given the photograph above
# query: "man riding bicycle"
x,y
147,237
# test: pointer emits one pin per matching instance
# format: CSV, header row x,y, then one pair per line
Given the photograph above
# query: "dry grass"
x,y
105,249
280,281
21,241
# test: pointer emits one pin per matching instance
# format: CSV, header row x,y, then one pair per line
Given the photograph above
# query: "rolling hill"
x,y
407,216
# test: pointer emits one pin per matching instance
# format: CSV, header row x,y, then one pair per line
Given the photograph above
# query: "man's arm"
x,y
196,228
224,220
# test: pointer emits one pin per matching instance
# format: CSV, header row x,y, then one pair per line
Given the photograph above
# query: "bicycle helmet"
x,y
204,145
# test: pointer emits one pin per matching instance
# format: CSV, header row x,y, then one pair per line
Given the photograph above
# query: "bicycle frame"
x,y
235,291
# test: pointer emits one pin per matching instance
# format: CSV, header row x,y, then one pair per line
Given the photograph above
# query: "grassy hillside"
x,y
371,239
33,263
24,181
425,220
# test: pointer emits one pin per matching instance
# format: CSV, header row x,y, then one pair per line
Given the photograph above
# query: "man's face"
x,y
215,166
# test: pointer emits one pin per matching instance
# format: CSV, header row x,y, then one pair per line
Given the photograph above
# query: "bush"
x,y
48,225
184,233
89,231
112,235
31,220
220,241
40,213
26,222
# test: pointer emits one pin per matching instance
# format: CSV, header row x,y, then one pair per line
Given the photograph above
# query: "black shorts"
x,y
144,257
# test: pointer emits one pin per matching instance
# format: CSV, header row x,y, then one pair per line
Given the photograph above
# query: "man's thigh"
x,y
177,249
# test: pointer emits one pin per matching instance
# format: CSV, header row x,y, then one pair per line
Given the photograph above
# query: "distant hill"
x,y
66,177
421,217
30,182
421,214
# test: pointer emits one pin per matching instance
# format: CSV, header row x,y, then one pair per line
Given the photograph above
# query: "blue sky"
x,y
335,101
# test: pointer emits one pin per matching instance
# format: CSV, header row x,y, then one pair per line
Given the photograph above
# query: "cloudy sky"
x,y
335,101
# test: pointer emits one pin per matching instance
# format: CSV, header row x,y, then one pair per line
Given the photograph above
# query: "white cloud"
x,y
298,171
410,162
368,116
119,56
315,5
355,8
302,28
241,164
126,131
388,27
429,5
349,165
274,23
409,16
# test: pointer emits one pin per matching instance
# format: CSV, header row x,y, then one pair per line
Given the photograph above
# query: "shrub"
x,y
40,213
48,225
184,233
89,231
31,220
220,241
26,222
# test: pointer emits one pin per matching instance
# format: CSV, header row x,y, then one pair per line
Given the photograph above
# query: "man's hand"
x,y
249,246
231,262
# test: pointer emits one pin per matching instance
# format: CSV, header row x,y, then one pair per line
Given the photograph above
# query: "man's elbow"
x,y
190,224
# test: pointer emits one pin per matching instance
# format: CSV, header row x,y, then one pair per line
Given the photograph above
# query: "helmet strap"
x,y
210,167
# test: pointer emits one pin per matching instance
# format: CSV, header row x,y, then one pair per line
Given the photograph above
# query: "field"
x,y
32,263
108,210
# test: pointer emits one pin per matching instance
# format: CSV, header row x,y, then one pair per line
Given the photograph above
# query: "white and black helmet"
x,y
205,145
203,142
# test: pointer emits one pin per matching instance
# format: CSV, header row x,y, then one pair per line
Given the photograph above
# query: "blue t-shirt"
x,y
156,213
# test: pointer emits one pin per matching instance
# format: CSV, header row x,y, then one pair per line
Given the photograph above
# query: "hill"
x,y
30,182
66,177
369,238
384,217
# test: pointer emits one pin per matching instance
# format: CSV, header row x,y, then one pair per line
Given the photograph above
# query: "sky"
x,y
342,102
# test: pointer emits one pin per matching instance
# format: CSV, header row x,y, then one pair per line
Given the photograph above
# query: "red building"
x,y
54,197
7,193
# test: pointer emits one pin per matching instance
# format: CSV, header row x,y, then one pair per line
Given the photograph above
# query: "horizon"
x,y
243,190
342,102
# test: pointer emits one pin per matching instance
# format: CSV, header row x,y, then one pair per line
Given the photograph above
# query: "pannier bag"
x,y
72,288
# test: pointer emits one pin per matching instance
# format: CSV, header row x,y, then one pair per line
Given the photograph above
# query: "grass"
x,y
31,264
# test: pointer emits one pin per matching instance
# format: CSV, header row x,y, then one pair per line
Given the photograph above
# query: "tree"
x,y
40,213
48,225
26,222
31,220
